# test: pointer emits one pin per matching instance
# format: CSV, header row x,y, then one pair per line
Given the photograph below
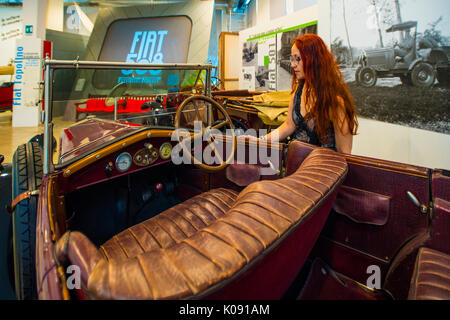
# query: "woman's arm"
x,y
287,128
343,136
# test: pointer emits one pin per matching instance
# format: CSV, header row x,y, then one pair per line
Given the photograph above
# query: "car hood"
x,y
86,136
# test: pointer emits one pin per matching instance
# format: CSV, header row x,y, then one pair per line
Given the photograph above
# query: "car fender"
x,y
414,63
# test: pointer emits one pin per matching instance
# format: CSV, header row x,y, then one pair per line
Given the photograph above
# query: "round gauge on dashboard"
x,y
123,162
165,150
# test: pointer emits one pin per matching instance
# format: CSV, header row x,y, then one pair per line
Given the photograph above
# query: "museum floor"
x,y
11,137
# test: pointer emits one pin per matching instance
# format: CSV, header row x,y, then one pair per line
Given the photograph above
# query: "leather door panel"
x,y
380,219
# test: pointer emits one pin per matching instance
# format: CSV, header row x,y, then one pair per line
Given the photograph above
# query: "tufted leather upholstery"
x,y
205,240
170,227
431,276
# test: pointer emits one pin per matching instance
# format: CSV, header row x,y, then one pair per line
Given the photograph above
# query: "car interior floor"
x,y
103,210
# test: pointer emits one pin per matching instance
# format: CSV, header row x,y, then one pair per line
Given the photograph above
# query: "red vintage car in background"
x,y
6,89
130,208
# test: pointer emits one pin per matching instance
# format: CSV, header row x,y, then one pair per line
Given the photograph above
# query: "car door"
x,y
375,225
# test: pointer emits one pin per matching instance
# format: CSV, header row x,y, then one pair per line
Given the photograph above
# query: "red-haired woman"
x,y
321,110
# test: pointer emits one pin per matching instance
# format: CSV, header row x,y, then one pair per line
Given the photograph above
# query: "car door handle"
x,y
423,208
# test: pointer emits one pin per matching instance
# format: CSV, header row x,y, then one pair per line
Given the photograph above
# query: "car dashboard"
x,y
136,152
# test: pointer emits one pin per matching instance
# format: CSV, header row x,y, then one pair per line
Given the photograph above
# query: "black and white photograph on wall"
x,y
249,64
284,44
266,72
394,55
259,63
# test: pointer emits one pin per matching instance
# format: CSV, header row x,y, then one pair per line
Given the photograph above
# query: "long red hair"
x,y
324,84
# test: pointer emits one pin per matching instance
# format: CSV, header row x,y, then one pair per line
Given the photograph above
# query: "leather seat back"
x,y
296,154
430,280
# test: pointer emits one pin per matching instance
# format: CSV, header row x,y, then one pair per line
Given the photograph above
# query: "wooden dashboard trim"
x,y
151,133
119,145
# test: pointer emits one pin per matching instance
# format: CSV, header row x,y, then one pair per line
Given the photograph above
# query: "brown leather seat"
x,y
208,239
431,276
170,227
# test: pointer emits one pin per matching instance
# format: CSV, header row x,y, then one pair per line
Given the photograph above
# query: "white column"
x,y
263,14
55,15
289,7
324,25
34,12
28,65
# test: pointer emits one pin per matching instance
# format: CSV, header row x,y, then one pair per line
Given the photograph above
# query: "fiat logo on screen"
x,y
146,48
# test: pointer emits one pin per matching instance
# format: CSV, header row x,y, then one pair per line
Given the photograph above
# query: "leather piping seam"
x,y
307,185
440,275
182,215
152,235
202,253
174,223
294,191
163,229
105,254
205,199
188,208
431,253
244,231
184,276
261,205
136,239
238,250
120,245
261,221
221,200
416,275
146,277
435,263
319,167
205,210
431,284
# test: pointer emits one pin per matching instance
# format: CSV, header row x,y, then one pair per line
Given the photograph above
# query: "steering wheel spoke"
x,y
217,154
198,102
221,124
197,112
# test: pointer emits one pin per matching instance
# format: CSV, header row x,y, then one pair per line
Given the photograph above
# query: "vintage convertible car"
x,y
177,205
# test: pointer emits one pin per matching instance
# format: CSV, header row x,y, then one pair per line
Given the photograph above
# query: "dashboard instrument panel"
x,y
131,158
146,156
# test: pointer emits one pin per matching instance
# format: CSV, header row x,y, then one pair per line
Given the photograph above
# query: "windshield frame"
x,y
50,66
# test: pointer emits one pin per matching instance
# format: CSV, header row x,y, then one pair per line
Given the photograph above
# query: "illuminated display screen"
x,y
145,40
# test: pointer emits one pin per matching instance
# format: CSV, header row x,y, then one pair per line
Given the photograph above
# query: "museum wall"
x,y
404,132
400,135
10,30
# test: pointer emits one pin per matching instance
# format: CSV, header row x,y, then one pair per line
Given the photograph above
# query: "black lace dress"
x,y
306,131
